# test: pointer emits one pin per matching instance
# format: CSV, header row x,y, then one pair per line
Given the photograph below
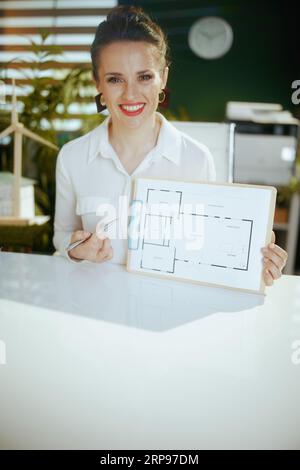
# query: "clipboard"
x,y
228,224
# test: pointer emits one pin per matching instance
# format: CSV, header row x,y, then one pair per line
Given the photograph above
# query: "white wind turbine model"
x,y
18,129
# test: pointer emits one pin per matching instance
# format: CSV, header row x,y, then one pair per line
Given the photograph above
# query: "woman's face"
x,y
129,74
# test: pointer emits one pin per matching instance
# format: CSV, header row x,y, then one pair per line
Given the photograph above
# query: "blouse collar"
x,y
168,142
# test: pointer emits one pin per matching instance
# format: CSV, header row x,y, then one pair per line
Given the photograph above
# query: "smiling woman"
x,y
130,61
132,97
130,65
130,71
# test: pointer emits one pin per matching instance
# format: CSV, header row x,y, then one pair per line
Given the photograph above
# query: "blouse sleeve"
x,y
65,218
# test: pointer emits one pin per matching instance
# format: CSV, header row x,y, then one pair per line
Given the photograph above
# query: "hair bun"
x,y
127,13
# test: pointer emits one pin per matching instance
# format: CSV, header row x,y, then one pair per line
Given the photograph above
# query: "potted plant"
x,y
48,100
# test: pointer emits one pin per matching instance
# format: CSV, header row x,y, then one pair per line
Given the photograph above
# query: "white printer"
x,y
265,142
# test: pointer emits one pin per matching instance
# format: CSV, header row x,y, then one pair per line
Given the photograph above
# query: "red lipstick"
x,y
132,113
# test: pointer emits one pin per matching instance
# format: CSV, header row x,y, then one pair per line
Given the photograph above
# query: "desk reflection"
x,y
108,292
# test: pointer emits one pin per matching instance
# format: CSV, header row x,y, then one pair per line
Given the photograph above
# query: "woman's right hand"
x,y
96,249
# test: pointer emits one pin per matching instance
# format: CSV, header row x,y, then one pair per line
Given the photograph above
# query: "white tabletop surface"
x,y
94,357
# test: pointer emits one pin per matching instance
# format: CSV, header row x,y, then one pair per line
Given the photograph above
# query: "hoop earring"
x,y
100,106
164,102
164,97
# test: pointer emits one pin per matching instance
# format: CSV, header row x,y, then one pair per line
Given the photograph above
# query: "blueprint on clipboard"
x,y
211,233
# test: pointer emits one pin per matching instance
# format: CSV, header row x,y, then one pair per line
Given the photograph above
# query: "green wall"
x,y
260,66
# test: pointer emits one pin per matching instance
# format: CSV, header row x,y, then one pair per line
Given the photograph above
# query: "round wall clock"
x,y
210,37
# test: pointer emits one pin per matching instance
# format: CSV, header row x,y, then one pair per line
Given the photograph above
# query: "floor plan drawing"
x,y
199,231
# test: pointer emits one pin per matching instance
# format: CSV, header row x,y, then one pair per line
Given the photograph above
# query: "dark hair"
x,y
128,23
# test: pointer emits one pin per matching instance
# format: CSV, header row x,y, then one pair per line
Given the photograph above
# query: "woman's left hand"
x,y
274,261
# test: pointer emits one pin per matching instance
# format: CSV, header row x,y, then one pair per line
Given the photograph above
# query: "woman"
x,y
130,69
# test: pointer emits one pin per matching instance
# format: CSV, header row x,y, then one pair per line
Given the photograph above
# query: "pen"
x,y
73,245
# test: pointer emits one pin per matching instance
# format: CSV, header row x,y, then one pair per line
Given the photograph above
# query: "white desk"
x,y
100,358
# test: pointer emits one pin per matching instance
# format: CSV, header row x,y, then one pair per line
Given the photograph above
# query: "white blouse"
x,y
89,173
